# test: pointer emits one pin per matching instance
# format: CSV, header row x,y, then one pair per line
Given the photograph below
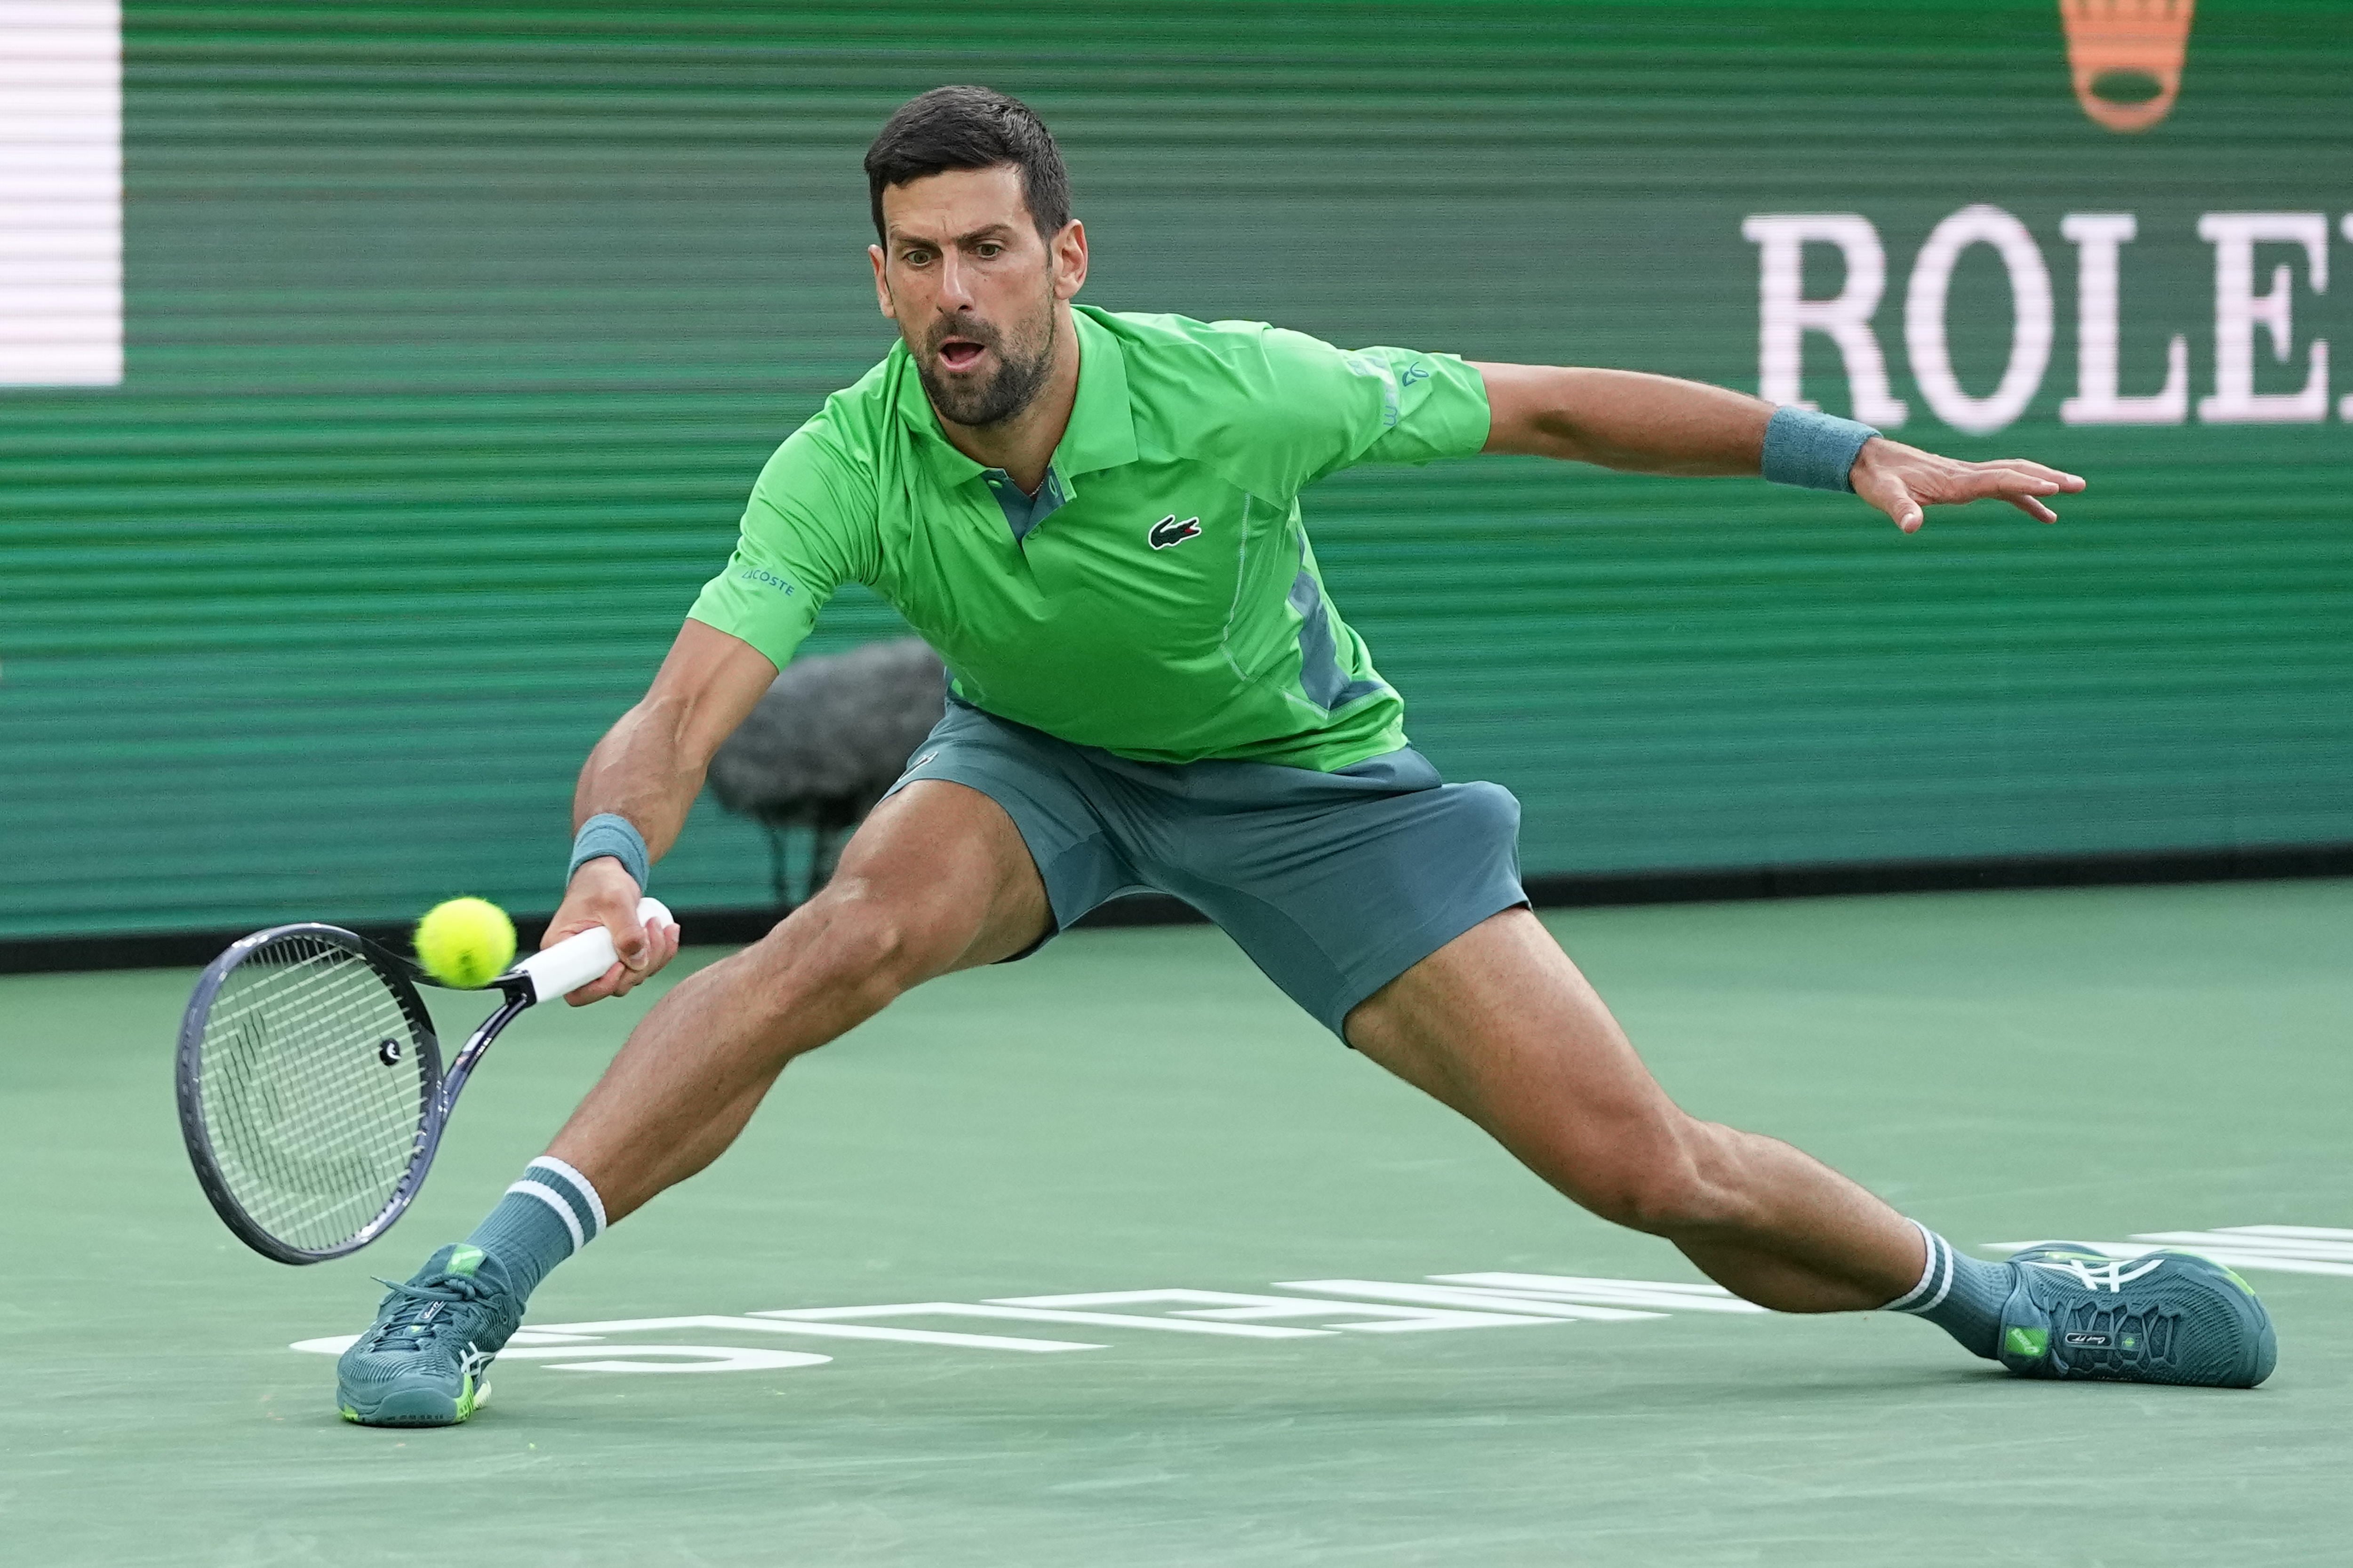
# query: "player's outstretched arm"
x,y
648,769
1657,424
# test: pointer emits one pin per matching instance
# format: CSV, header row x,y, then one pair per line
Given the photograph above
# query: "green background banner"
x,y
455,335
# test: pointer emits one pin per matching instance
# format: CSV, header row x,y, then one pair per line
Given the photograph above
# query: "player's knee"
x,y
853,938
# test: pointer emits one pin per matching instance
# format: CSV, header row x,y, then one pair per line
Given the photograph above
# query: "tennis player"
x,y
1095,517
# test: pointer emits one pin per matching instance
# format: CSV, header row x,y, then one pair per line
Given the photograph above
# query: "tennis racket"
x,y
313,1094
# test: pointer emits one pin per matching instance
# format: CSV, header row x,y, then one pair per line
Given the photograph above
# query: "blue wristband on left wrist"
x,y
1815,450
607,834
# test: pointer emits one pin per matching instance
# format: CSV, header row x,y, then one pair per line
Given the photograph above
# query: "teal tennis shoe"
x,y
2163,1317
422,1362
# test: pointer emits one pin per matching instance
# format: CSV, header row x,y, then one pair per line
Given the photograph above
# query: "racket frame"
x,y
438,1097
556,971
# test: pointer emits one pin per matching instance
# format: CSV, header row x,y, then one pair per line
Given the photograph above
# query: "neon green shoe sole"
x,y
419,1406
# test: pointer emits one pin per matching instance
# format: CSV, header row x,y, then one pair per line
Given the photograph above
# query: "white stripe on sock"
x,y
1904,1304
587,1189
1945,1289
554,1200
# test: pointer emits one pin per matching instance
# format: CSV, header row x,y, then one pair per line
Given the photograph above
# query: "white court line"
x,y
1666,1296
1464,1296
2213,1244
1019,1313
1480,1300
1232,1306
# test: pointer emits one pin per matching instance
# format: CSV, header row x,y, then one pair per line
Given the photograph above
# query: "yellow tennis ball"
x,y
466,942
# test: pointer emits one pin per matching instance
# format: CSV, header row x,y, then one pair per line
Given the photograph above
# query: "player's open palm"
x,y
1902,480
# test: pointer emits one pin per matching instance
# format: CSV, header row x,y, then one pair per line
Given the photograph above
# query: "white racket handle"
x,y
575,961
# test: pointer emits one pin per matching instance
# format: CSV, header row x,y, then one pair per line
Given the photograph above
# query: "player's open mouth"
x,y
961,354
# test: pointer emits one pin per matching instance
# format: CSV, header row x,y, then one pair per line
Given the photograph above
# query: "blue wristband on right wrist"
x,y
1815,450
607,833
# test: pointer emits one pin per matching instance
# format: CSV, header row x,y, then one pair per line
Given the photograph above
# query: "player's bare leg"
x,y
1500,1025
937,879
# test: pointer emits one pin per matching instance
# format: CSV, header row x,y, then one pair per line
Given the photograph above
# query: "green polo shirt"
x,y
1158,597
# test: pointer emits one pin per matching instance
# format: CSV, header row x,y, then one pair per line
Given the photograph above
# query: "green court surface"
x,y
1138,1111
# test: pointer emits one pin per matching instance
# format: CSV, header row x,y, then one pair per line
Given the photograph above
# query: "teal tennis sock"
x,y
544,1218
1959,1295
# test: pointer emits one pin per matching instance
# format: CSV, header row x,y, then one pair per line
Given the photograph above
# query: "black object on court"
x,y
831,736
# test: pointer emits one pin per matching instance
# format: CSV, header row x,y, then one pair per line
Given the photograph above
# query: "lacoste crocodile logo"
x,y
1168,531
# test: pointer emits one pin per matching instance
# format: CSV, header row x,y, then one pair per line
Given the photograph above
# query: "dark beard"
x,y
1013,388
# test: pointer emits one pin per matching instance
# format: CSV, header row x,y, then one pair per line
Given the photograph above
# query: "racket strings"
x,y
319,1158
302,1153
312,1117
307,1033
323,1025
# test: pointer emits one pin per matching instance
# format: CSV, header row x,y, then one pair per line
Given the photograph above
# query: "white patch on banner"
x,y
60,192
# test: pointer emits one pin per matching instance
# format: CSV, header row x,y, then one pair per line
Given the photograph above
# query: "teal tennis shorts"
x,y
1334,884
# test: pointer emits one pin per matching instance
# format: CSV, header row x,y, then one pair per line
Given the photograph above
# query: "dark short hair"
x,y
971,128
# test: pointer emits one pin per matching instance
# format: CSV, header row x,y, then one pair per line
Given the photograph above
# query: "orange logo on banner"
x,y
2123,45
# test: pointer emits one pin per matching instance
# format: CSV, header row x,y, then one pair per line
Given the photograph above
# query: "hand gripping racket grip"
x,y
577,960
